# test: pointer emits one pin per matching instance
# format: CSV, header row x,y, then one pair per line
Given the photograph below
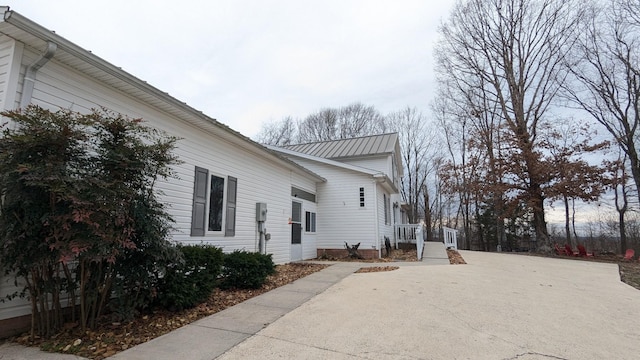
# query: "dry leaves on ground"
x,y
110,338
376,269
630,273
395,256
454,257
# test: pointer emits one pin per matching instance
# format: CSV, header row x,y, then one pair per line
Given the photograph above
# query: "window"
x,y
210,190
361,197
386,209
216,198
310,222
296,222
301,194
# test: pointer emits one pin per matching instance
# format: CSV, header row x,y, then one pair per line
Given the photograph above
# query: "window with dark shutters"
x,y
199,211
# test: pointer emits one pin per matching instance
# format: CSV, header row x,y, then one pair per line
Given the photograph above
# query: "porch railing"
x,y
450,238
412,234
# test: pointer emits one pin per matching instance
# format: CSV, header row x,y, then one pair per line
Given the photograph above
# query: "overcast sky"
x,y
249,62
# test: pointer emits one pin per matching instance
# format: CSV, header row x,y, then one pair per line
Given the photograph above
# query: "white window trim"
x,y
224,204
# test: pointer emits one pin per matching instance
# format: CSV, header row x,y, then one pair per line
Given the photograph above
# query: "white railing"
x,y
410,233
450,238
419,242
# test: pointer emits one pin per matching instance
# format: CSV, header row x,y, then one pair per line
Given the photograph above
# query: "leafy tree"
x,y
41,172
79,212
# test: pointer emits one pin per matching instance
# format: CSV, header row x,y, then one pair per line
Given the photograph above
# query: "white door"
x,y
296,231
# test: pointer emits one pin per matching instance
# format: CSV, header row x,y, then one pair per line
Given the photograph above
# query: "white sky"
x,y
248,62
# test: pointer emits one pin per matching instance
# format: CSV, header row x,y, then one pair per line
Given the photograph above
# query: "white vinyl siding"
x,y
384,229
261,179
377,163
10,57
340,216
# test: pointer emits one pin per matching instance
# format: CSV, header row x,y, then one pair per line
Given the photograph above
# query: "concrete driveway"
x,y
498,306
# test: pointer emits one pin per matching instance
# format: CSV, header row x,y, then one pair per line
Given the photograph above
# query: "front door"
x,y
296,231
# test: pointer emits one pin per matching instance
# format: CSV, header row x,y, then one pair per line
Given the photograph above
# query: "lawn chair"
x,y
570,251
583,252
628,256
559,250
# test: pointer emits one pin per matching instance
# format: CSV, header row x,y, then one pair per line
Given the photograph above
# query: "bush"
x,y
246,270
189,283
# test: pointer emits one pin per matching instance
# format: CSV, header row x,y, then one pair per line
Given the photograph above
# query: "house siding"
x,y
10,55
259,178
378,163
340,217
16,307
383,228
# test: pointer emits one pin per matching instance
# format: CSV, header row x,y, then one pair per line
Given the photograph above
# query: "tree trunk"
x,y
427,215
623,233
539,222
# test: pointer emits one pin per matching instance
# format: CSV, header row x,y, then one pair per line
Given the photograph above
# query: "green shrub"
x,y
189,283
246,270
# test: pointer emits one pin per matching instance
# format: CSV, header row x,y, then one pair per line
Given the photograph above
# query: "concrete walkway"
x,y
218,333
435,254
499,306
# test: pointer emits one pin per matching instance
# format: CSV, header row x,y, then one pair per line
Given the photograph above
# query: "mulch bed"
x,y
455,258
110,338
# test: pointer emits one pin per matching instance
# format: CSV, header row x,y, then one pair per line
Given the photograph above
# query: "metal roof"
x,y
348,148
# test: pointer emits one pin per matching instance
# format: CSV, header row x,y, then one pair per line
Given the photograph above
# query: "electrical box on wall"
x,y
261,212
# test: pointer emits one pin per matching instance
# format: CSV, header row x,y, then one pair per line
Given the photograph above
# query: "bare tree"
x,y
515,49
341,123
607,74
319,126
280,133
416,145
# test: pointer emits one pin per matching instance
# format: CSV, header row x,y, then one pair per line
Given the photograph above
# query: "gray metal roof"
x,y
347,148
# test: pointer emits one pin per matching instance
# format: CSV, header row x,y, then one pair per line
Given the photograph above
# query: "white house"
x,y
223,175
313,201
359,202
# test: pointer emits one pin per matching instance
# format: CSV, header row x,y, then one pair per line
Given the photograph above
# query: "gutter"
x,y
189,114
29,79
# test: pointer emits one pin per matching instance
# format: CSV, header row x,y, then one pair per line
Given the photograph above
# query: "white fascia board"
x,y
378,176
325,161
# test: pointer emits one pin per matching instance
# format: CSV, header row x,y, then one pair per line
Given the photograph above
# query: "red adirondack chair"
x,y
570,251
628,256
583,252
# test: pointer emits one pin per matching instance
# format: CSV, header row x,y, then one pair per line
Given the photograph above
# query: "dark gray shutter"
x,y
230,222
199,210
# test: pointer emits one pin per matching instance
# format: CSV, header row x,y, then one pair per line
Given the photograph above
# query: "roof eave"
x,y
189,114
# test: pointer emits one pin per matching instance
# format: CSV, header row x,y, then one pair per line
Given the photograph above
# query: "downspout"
x,y
375,202
30,74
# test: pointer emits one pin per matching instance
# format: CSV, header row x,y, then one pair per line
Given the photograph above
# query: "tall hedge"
x,y
80,211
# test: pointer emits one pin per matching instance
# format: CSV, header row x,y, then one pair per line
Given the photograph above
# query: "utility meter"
x,y
261,212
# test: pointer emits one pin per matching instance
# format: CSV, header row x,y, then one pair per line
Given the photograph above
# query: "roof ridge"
x,y
344,139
